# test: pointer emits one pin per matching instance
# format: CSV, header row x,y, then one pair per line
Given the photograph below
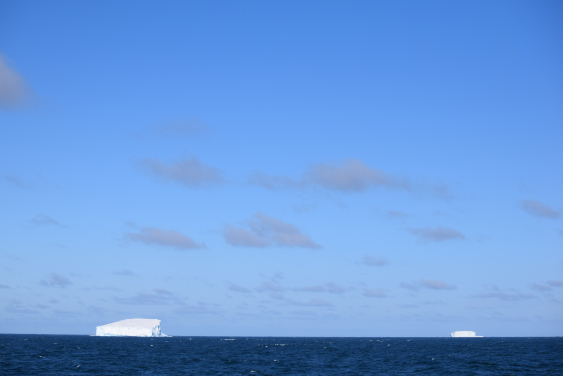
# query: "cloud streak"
x,y
349,175
539,209
125,272
329,287
190,173
265,231
158,297
433,284
44,220
165,238
375,260
14,91
56,280
506,296
374,293
187,128
436,234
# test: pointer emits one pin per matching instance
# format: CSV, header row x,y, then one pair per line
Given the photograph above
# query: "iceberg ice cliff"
x,y
132,328
464,333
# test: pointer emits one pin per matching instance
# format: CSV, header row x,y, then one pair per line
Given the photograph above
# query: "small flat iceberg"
x,y
131,328
464,333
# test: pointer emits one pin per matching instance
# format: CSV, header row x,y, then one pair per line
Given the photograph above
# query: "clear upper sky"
x,y
295,168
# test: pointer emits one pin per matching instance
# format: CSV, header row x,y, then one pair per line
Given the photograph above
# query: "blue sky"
x,y
293,168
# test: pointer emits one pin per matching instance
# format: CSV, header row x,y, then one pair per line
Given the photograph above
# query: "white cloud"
x,y
188,172
166,238
539,209
266,231
14,91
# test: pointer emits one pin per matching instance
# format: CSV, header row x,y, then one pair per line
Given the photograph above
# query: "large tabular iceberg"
x,y
464,333
132,328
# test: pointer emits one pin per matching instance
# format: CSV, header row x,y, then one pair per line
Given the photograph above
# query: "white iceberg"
x,y
131,328
464,333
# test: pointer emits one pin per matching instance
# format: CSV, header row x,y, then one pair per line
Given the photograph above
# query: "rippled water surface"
x,y
77,355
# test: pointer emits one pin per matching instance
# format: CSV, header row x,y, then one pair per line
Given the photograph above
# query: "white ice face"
x,y
132,328
464,333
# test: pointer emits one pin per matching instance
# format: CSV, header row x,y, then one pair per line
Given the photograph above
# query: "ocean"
x,y
86,355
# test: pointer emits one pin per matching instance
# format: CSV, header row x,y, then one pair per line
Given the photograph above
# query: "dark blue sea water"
x,y
85,355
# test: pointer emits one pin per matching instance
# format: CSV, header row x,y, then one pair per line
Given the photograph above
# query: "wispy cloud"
x,y
375,260
374,293
309,303
269,287
15,181
315,288
274,182
158,297
410,286
555,283
44,220
395,214
56,280
125,272
539,209
240,237
238,288
14,91
199,309
329,287
4,286
304,208
433,284
185,128
349,175
516,296
540,287
265,231
21,310
188,172
166,238
436,234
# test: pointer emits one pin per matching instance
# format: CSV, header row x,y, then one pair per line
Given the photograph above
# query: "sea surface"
x,y
87,355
